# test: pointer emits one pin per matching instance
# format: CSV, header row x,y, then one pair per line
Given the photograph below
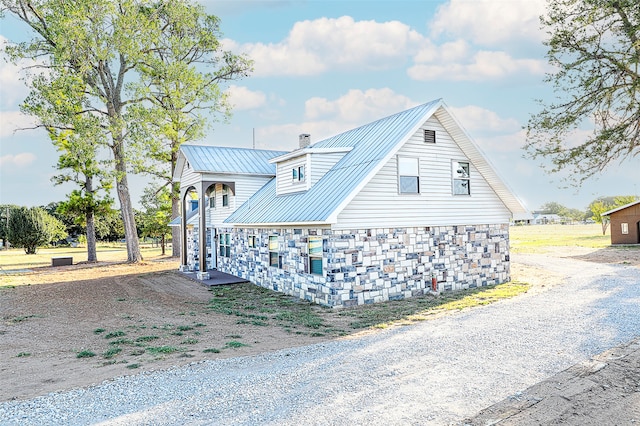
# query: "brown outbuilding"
x,y
625,223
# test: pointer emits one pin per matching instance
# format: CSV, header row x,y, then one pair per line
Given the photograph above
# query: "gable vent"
x,y
429,136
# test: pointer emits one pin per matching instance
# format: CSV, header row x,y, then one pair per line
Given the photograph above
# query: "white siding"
x,y
379,204
189,177
321,163
245,185
284,178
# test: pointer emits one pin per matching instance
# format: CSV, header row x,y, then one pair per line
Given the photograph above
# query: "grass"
x,y
235,344
111,352
528,239
162,350
113,334
106,252
85,354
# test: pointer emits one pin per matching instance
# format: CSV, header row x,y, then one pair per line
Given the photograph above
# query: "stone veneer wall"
x,y
372,265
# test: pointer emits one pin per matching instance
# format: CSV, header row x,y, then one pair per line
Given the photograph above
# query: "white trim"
x,y
307,151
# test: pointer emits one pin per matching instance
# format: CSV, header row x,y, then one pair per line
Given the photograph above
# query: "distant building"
x,y
625,223
386,211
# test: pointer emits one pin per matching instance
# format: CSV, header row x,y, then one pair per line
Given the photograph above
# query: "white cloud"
x,y
10,121
20,160
490,22
312,47
325,117
358,106
12,89
483,65
478,119
243,98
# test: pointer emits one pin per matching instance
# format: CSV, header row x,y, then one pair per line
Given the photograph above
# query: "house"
x,y
393,209
545,218
625,223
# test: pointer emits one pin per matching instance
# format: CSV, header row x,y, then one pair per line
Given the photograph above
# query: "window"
x,y
429,136
297,174
225,245
625,228
408,175
225,195
315,255
212,200
273,250
461,184
252,241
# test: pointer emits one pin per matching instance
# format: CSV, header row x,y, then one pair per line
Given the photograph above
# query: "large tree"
x,y
594,49
79,164
30,228
157,214
97,54
182,82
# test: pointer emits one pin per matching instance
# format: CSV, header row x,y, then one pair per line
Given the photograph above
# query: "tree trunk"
x,y
162,242
126,208
92,255
176,234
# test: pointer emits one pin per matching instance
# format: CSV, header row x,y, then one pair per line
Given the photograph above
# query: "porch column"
x,y
203,273
183,232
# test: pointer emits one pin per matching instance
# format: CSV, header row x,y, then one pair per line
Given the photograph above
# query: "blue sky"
x,y
322,67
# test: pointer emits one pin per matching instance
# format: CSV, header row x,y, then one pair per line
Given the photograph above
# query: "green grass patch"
x,y
258,306
133,366
211,351
189,341
85,354
99,330
184,328
235,344
23,354
22,318
121,342
410,310
146,338
114,334
111,352
162,350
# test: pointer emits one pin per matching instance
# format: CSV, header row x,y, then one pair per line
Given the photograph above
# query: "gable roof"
x,y
372,145
633,203
226,160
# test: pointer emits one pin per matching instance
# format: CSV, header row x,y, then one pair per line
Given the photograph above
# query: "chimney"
x,y
304,140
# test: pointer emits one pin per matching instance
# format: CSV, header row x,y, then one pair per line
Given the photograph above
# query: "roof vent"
x,y
304,140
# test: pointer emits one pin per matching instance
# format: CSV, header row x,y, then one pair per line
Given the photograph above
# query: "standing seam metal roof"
x,y
215,159
372,143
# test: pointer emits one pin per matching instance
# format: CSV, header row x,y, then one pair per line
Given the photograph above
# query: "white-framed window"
x,y
408,175
429,136
298,174
315,255
461,178
625,228
252,241
225,195
225,245
273,250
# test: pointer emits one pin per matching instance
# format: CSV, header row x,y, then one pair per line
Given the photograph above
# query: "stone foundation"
x,y
371,265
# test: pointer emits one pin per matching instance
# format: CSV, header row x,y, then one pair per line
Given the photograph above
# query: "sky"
x,y
323,67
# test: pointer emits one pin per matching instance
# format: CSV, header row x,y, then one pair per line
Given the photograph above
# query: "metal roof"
x,y
373,144
609,212
216,159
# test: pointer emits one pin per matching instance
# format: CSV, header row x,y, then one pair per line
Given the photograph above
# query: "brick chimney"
x,y
304,140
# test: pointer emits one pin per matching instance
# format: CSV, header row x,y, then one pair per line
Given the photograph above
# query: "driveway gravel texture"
x,y
436,372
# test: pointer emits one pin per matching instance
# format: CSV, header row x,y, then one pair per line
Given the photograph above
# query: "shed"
x,y
625,223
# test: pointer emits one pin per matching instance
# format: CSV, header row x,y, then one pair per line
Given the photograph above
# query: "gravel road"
x,y
435,372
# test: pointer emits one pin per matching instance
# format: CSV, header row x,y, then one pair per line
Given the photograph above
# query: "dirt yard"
x,y
154,315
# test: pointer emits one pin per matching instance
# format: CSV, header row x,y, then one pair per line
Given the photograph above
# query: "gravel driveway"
x,y
435,372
